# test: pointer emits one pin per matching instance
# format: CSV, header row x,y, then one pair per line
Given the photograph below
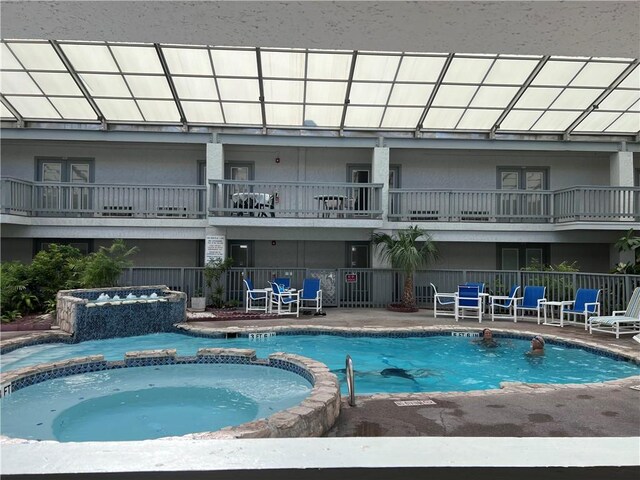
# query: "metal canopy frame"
x,y
211,88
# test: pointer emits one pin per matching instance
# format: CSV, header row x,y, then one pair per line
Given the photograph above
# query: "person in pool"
x,y
486,339
537,346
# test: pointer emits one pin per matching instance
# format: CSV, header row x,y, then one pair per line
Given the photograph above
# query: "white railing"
x,y
295,199
571,204
100,200
594,204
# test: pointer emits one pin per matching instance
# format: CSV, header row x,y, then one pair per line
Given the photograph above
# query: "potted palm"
x,y
403,251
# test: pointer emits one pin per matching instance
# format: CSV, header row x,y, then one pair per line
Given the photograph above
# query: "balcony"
x,y
39,199
576,204
297,200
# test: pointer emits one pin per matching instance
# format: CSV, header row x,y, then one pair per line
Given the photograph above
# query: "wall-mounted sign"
x,y
214,248
350,278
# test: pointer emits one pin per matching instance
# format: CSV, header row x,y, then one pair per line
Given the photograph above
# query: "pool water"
x,y
149,402
381,364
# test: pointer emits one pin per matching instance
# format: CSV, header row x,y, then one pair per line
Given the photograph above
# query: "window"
x,y
518,256
60,172
524,198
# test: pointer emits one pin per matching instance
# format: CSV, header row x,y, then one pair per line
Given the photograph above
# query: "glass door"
x,y
79,196
50,197
525,199
360,196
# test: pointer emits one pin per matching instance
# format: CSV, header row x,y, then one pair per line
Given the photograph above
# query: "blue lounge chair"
x,y
311,295
531,301
622,322
480,286
443,300
586,304
505,302
468,299
256,299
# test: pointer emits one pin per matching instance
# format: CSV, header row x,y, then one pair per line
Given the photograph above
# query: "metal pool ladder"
x,y
350,381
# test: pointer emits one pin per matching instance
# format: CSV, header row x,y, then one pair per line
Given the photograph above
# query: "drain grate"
x,y
635,387
413,403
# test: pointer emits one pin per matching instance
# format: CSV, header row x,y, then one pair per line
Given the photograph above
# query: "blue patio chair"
x,y
311,295
281,298
531,301
256,299
480,286
468,299
621,322
284,282
586,304
443,300
505,302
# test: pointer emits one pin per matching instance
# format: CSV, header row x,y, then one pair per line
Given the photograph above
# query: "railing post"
x,y
182,283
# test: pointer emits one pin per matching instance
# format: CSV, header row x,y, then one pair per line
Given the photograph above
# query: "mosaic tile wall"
x,y
119,320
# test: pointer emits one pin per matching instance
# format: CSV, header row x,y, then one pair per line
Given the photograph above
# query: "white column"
x,y
380,174
621,169
214,169
621,175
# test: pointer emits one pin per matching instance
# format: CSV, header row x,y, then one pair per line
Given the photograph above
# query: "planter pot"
x,y
396,307
198,304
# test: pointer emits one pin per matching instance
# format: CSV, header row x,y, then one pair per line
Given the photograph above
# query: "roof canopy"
x,y
136,83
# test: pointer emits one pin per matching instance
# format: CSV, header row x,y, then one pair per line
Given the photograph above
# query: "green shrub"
x,y
213,272
104,267
14,279
53,269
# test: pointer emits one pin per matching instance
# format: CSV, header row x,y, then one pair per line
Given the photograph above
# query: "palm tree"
x,y
404,252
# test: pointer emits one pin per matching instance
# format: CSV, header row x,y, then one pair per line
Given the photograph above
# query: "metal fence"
x,y
375,288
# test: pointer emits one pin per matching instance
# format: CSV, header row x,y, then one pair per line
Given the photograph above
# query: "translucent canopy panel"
x,y
364,117
196,88
74,108
226,86
395,117
5,112
322,116
282,64
37,56
285,115
203,112
328,66
627,122
34,107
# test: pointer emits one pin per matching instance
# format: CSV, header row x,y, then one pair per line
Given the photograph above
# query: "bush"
x,y
104,267
213,272
57,268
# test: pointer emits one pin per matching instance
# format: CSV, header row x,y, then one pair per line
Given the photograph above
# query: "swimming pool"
x,y
382,363
140,403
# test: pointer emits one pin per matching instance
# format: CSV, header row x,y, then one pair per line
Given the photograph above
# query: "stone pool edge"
x,y
314,416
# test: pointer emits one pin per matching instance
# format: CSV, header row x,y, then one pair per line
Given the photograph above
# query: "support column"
x,y
380,174
621,169
214,171
621,175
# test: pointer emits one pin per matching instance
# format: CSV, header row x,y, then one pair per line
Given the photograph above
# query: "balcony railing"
x,y
295,199
319,200
607,204
99,200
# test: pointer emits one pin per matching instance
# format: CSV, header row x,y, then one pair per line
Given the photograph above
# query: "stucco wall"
x,y
590,257
114,162
16,249
478,170
160,253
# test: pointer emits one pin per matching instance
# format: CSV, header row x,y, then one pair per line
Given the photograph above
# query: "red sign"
x,y
350,278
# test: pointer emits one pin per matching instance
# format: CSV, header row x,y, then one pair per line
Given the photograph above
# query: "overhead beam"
x,y
354,58
434,92
172,87
261,87
76,78
12,109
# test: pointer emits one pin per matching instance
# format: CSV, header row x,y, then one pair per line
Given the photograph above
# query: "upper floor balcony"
x,y
48,199
315,203
575,204
296,200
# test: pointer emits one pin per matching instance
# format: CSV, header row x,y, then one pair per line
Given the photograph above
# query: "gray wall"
x,y
590,257
16,249
478,169
299,254
160,253
114,162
